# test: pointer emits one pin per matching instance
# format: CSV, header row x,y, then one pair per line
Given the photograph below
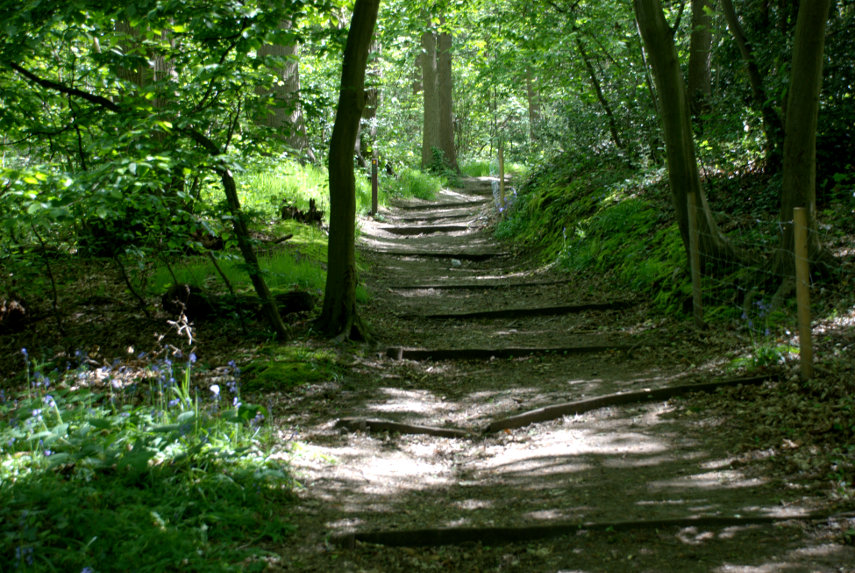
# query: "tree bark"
x,y
700,50
533,98
683,174
773,127
286,114
445,89
799,181
430,91
339,317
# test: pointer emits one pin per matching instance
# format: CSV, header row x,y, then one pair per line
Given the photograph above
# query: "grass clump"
x,y
479,167
415,183
142,473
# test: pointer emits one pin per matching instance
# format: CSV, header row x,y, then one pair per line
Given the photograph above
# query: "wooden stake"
x,y
374,186
501,176
800,253
695,263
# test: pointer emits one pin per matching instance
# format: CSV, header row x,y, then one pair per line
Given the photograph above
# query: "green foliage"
x,y
116,470
415,183
602,217
266,186
283,270
476,168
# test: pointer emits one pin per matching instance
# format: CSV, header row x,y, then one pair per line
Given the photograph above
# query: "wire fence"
x,y
760,285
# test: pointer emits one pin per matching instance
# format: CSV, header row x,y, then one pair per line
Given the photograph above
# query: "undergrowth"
x,y
604,218
116,470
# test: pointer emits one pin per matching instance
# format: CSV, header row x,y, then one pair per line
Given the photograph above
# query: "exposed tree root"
x,y
463,256
425,229
524,312
439,206
501,535
477,285
399,353
357,424
548,413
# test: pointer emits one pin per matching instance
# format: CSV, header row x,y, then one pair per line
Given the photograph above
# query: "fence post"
x,y
800,254
374,185
695,262
501,176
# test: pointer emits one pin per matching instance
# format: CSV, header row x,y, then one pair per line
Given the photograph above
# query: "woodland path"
x,y
413,459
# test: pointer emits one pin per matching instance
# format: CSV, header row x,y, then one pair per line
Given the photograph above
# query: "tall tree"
x,y
683,176
799,184
445,90
430,91
773,127
700,51
285,114
339,317
533,99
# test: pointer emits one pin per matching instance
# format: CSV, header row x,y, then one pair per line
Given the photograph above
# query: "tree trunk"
x,y
533,98
271,310
598,90
339,317
700,44
286,114
366,138
773,128
445,88
799,184
430,129
679,144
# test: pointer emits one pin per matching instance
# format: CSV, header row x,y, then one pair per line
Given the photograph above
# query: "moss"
x,y
290,367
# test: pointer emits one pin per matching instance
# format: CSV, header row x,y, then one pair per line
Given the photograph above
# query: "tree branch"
x,y
679,17
91,98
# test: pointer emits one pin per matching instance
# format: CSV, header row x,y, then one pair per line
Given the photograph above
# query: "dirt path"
x,y
473,334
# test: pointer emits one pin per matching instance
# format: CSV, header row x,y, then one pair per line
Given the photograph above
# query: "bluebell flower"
x,y
87,570
48,399
215,388
236,402
24,352
24,554
192,357
48,453
172,403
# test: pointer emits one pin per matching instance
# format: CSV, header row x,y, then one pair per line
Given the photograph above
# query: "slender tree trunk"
x,y
241,230
598,90
533,104
700,51
773,127
430,126
654,99
799,184
339,317
683,174
445,89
